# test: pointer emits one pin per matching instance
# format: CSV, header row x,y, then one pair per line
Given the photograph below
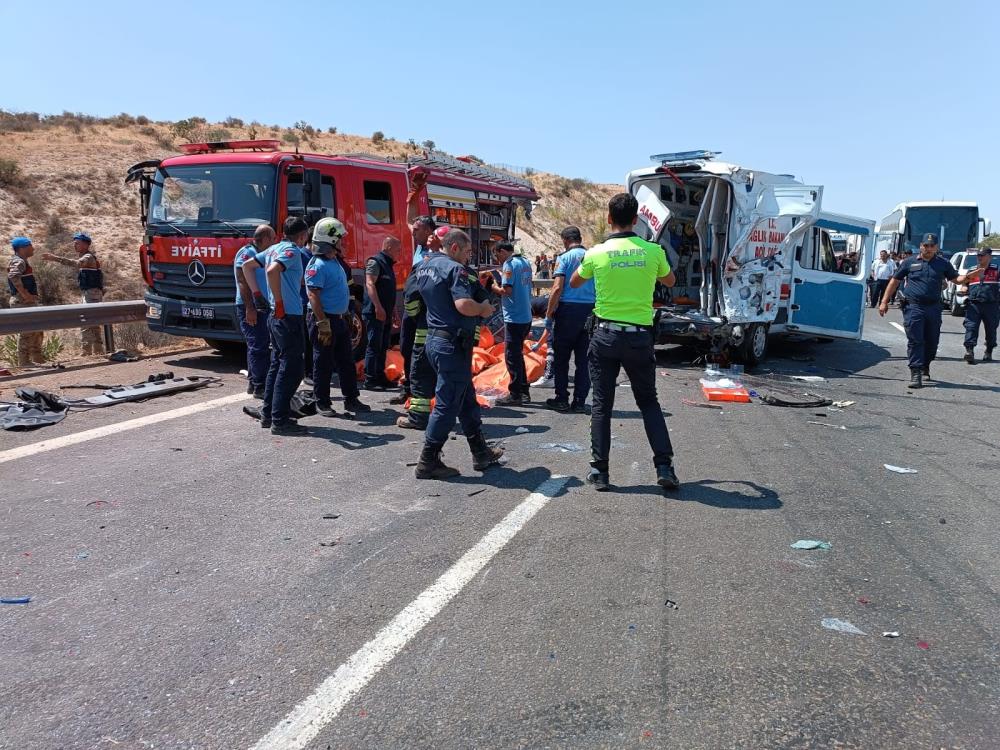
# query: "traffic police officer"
x,y
253,322
924,274
24,293
90,279
452,314
283,263
625,270
983,307
329,297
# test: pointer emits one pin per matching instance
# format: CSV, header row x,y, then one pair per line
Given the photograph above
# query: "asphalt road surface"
x,y
196,583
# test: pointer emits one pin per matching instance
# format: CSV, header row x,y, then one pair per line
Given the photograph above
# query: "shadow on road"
x,y
745,496
504,477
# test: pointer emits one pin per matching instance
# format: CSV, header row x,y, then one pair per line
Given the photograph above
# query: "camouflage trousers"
x,y
93,339
29,345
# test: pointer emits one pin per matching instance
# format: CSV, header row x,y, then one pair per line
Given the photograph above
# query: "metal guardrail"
x,y
56,317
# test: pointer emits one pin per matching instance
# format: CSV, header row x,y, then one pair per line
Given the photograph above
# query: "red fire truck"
x,y
201,207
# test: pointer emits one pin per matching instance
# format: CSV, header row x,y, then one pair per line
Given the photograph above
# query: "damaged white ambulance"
x,y
752,253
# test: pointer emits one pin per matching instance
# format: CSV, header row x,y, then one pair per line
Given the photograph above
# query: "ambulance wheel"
x,y
358,341
752,349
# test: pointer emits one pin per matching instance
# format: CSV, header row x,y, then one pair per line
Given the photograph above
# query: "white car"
x,y
954,296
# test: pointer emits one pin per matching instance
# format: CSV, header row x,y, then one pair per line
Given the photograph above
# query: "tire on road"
x,y
752,348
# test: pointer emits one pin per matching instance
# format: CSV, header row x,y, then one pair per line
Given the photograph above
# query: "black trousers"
x,y
570,339
987,313
339,356
610,351
514,336
285,372
877,290
407,333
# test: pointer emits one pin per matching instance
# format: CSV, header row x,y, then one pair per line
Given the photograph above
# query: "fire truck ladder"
x,y
471,169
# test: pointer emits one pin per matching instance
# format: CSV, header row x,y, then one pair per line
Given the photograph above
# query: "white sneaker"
x,y
543,382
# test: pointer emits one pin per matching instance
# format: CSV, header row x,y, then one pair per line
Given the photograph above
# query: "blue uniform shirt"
x,y
418,254
516,274
441,281
289,257
568,262
924,277
327,276
248,253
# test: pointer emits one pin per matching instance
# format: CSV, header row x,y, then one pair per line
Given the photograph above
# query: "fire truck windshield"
x,y
210,195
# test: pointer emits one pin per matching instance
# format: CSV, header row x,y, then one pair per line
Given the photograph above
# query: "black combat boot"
x,y
926,372
430,465
916,380
483,454
988,357
666,478
970,356
600,479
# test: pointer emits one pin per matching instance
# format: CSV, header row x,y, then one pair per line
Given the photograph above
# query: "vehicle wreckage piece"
x,y
121,393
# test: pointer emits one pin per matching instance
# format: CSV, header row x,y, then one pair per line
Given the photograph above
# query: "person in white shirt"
x,y
882,270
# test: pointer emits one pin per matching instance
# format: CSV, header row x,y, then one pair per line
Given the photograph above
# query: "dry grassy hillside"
x,y
64,173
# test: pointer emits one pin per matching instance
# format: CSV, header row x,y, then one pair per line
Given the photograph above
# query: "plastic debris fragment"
x,y
890,634
841,626
811,544
899,469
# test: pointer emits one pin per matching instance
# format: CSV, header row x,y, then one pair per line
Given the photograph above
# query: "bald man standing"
x,y
252,308
379,302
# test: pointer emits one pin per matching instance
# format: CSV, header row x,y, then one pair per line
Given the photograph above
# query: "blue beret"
x,y
82,236
19,243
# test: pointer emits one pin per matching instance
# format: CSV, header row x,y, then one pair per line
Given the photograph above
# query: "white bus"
x,y
957,224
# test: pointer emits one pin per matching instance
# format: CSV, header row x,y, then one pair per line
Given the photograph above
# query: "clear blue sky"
x,y
880,101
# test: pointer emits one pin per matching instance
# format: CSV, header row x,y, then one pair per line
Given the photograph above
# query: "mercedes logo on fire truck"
x,y
197,273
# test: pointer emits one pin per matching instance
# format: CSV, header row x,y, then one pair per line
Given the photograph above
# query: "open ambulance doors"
x,y
824,301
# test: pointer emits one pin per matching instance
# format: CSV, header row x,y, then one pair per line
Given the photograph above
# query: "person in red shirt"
x,y
983,306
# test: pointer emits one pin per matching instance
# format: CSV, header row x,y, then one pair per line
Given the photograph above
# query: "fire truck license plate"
x,y
197,312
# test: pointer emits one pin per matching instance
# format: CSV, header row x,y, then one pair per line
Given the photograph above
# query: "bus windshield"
x,y
210,194
958,224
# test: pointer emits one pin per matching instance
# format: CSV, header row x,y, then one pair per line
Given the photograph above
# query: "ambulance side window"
x,y
378,202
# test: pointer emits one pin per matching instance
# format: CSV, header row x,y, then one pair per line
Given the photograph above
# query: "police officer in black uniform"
x,y
983,307
452,316
924,274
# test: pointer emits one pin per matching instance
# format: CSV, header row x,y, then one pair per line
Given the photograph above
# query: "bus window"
x,y
378,202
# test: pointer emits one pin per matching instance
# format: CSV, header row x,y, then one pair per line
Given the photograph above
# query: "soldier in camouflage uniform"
x,y
24,293
91,281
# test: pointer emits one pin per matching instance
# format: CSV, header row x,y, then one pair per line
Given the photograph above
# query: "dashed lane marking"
x,y
112,429
309,717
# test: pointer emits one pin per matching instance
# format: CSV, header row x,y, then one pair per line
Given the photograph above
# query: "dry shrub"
x,y
10,173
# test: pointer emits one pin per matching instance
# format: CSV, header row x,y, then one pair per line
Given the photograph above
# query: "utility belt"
x,y
331,316
614,325
461,336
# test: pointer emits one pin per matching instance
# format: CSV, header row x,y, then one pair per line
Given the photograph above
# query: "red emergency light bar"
x,y
208,148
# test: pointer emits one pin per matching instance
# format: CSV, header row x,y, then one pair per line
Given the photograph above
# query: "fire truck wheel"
x,y
227,348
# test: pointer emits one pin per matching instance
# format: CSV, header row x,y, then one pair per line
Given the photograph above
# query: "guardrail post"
x,y
109,338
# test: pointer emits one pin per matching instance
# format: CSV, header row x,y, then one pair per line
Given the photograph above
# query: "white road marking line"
x,y
309,717
894,324
111,429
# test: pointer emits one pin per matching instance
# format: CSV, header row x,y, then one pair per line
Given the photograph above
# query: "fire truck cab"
x,y
201,207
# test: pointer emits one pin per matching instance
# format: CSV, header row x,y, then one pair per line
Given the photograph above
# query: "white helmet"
x,y
329,230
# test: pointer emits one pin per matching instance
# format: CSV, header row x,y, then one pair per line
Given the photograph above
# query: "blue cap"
x,y
82,236
19,243
929,239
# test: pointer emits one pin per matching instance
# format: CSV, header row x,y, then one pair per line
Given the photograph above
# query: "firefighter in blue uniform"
x,y
283,263
983,307
452,316
924,274
253,322
329,300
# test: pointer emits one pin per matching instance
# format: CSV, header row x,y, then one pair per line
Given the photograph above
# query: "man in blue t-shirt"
x,y
283,265
570,308
515,300
329,301
253,321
